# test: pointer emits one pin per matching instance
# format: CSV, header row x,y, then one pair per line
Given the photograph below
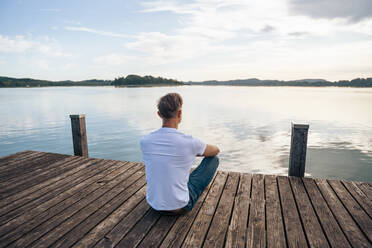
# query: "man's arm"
x,y
211,151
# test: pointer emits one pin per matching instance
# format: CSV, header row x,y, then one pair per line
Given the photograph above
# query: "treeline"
x,y
135,80
358,82
29,82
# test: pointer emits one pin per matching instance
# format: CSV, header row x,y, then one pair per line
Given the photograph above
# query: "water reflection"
x,y
251,125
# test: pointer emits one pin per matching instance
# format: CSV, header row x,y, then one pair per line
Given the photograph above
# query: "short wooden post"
x,y
297,156
79,135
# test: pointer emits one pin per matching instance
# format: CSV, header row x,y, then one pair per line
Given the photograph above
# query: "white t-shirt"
x,y
168,155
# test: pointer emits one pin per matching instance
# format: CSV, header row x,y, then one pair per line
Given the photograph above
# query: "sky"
x,y
191,40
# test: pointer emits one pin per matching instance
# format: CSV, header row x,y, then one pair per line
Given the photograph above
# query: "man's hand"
x,y
211,151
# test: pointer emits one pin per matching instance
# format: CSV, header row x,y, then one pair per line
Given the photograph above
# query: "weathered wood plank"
x,y
108,236
220,222
275,229
124,202
347,224
23,178
38,160
6,160
39,205
38,190
358,214
87,194
139,231
256,226
158,232
26,182
196,235
14,163
366,188
360,196
183,224
313,230
29,165
238,226
293,227
330,226
79,210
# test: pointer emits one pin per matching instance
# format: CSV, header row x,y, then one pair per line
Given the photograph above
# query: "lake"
x,y
251,125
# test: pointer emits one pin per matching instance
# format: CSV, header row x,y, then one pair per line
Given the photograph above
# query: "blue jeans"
x,y
200,178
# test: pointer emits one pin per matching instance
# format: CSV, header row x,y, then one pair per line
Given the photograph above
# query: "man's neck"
x,y
170,124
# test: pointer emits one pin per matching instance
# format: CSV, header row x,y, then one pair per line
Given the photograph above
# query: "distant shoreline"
x,y
148,81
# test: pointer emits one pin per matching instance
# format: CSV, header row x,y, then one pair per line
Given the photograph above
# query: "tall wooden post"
x,y
79,135
297,156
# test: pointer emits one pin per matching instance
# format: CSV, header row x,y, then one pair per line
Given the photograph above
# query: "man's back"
x,y
168,155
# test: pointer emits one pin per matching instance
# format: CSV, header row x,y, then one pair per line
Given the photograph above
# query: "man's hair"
x,y
169,104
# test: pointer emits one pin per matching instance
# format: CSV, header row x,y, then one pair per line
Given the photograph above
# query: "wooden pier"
x,y
55,200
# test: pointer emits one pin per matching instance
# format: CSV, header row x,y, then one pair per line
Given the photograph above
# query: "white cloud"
x,y
15,45
19,44
112,60
94,31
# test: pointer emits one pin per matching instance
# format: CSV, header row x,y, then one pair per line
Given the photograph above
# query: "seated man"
x,y
168,155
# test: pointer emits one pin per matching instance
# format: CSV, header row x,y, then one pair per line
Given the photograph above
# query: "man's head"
x,y
170,107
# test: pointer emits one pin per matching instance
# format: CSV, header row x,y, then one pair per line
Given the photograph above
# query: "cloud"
x,y
112,60
354,10
20,44
16,45
267,29
297,34
94,31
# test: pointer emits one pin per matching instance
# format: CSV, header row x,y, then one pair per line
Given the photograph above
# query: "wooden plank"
x,y
366,188
30,165
13,163
6,160
109,232
62,223
330,226
48,200
84,195
24,182
294,232
26,166
155,236
275,228
123,203
196,235
313,229
360,196
23,178
220,222
134,237
256,225
347,224
239,220
181,227
358,214
36,191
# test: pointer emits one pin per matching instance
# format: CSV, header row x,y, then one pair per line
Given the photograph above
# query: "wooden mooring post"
x,y
79,135
297,155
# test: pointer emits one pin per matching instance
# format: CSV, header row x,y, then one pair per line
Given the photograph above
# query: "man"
x,y
168,155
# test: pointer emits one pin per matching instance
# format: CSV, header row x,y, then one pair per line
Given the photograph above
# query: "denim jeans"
x,y
200,178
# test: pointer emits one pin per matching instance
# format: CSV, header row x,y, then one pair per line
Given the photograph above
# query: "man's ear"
x,y
160,115
179,113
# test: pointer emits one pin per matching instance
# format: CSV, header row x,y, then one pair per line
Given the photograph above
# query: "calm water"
x,y
251,125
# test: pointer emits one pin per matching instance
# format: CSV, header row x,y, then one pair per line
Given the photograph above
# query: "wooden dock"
x,y
55,200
